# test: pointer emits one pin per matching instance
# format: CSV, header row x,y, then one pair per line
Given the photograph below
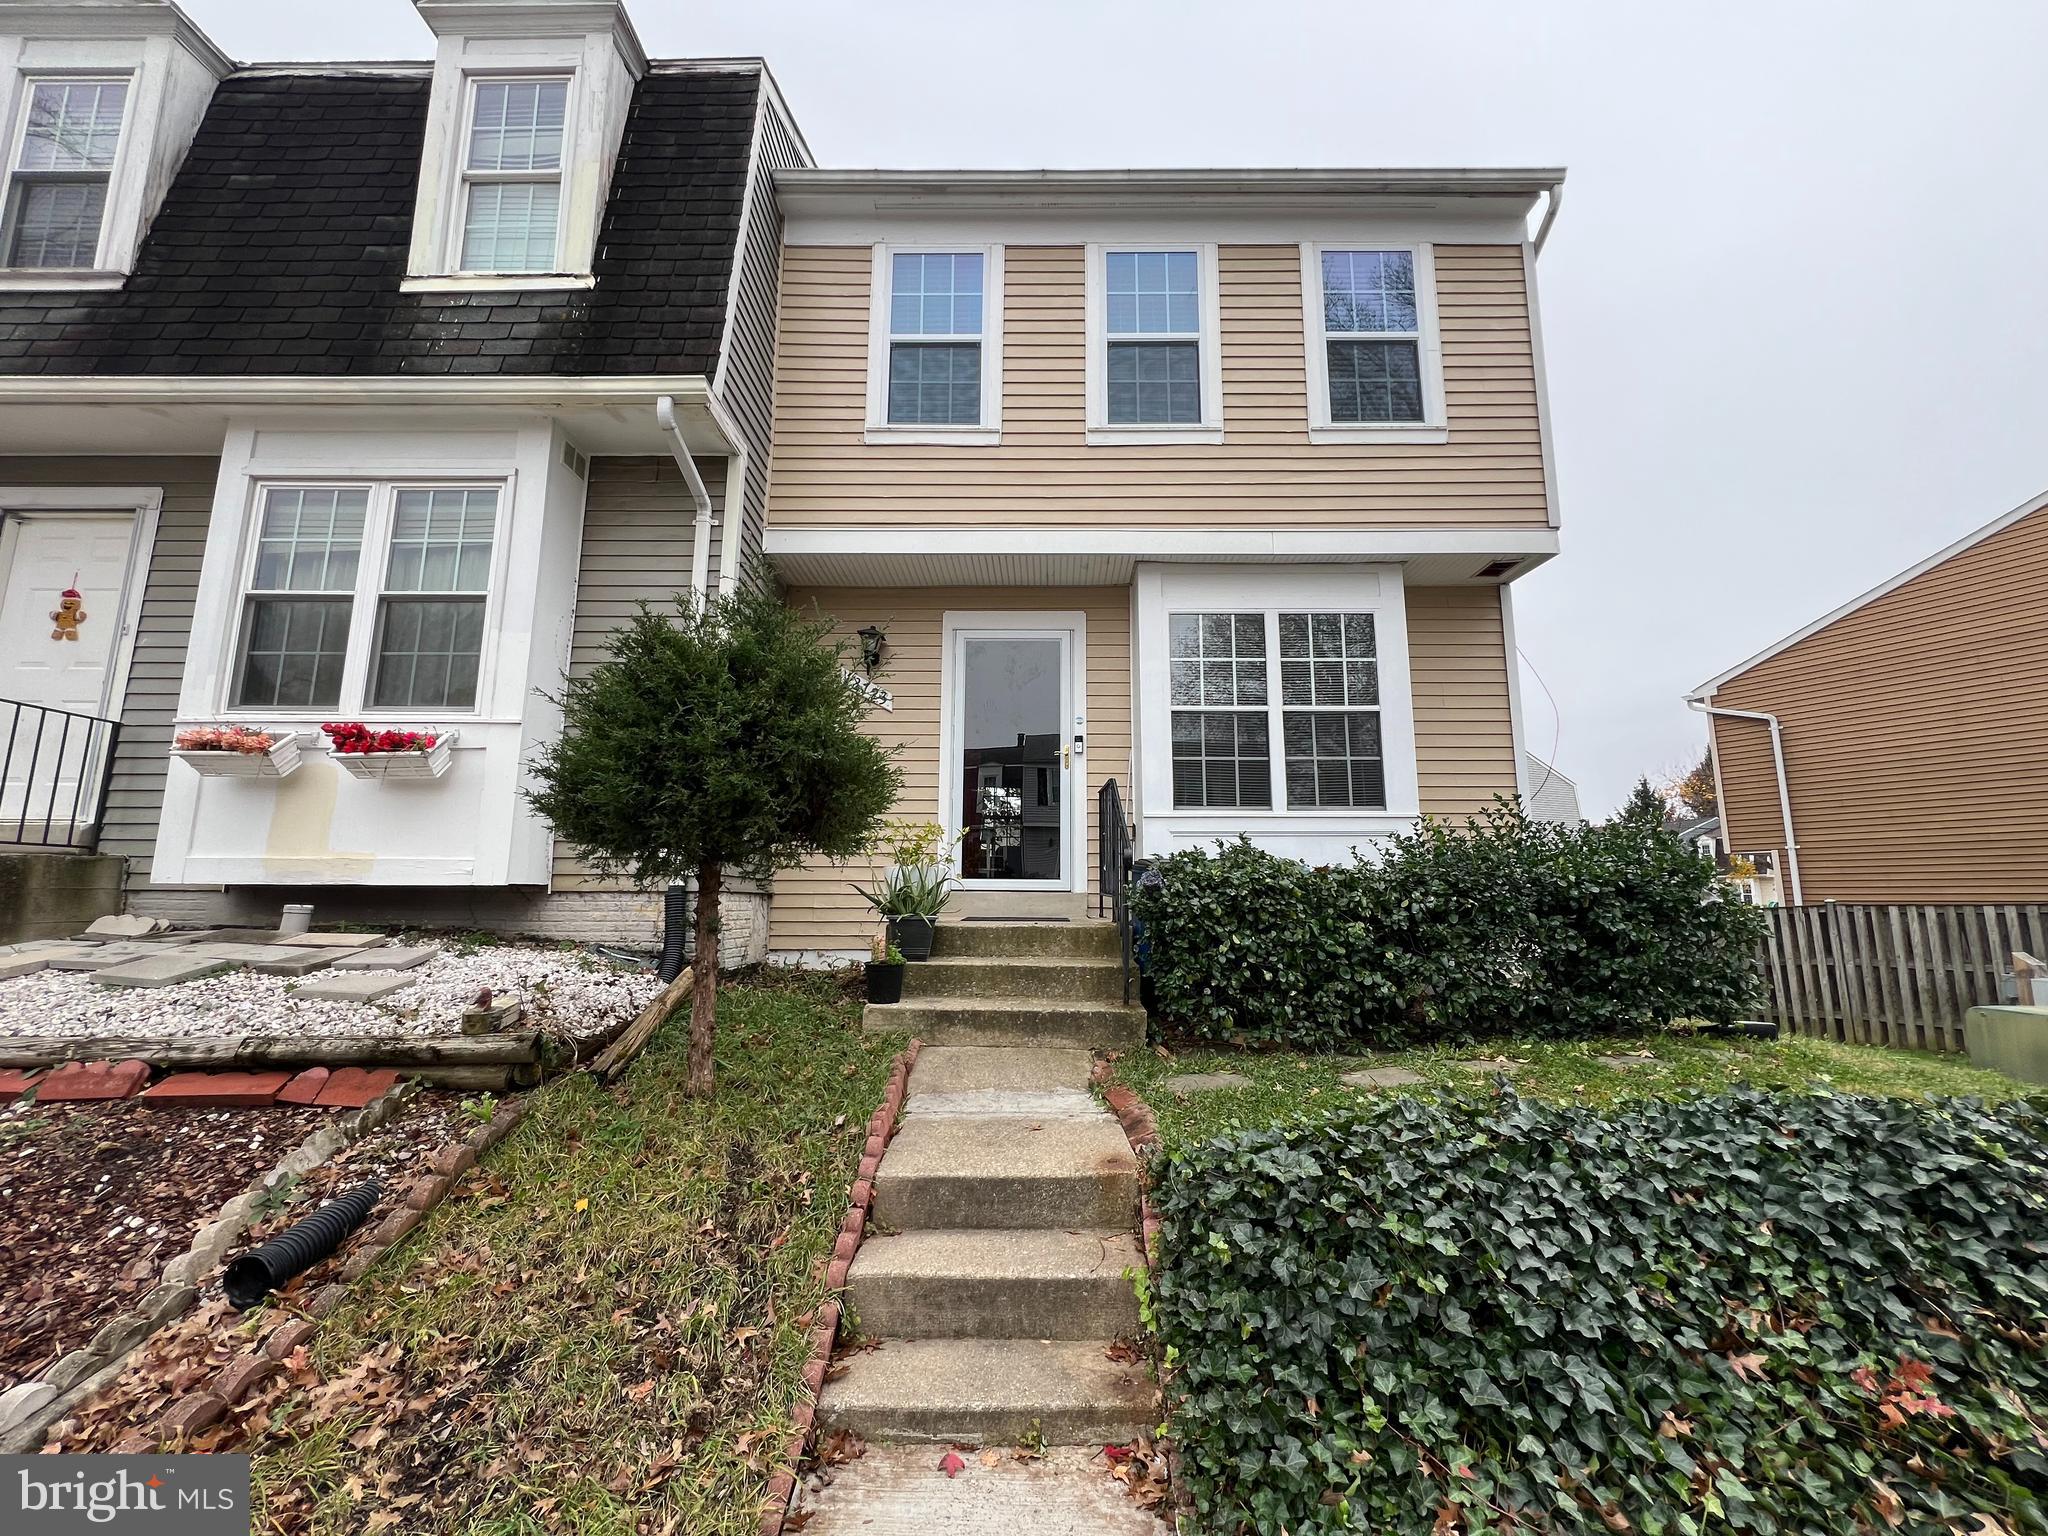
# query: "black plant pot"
x,y
913,935
885,981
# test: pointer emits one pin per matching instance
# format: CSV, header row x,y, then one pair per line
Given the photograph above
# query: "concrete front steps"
x,y
996,1273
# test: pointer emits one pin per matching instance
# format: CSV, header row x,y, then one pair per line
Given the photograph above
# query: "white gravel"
x,y
566,992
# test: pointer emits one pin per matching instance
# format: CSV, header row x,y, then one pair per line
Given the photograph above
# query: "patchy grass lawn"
x,y
606,1332
1284,1083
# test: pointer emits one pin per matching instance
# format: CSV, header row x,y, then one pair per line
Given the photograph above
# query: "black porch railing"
x,y
54,765
1113,870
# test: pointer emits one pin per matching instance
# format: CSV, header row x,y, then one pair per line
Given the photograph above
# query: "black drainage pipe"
x,y
299,1247
675,930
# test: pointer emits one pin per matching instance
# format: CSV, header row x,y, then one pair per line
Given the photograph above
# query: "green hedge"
x,y
1503,926
1743,1312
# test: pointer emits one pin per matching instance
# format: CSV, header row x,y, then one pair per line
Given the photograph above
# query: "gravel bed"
x,y
567,992
96,1198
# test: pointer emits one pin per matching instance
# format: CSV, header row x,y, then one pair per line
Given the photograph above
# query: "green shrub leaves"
x,y
1504,926
1739,1312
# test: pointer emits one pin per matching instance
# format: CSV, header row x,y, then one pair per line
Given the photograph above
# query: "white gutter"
x,y
700,553
1551,199
1784,794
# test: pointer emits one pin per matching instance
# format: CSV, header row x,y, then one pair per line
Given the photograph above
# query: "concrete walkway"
x,y
996,1273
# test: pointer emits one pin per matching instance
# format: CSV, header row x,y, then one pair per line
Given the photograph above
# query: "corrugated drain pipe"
x,y
1784,793
700,552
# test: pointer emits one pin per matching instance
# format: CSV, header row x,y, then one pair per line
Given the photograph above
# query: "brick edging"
x,y
205,1403
825,1330
80,1374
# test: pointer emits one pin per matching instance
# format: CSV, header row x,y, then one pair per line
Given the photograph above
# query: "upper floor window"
x,y
63,162
512,175
1374,366
1151,344
935,345
935,338
367,596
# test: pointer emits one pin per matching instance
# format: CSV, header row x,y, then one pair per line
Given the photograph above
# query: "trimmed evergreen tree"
x,y
726,736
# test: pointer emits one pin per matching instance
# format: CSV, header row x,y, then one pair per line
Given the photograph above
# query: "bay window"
x,y
366,596
1232,729
63,162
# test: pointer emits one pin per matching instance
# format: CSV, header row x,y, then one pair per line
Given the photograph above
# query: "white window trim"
x,y
372,565
989,430
1209,348
455,217
1163,590
122,170
1434,426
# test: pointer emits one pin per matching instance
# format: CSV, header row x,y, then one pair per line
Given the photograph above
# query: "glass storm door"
x,y
1012,703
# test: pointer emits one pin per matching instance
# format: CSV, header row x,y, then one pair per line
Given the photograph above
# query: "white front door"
x,y
57,660
1010,732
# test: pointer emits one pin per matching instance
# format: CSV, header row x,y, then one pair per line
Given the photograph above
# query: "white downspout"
x,y
700,552
1554,197
1784,793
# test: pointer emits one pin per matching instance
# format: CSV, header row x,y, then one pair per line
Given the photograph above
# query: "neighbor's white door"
x,y
42,554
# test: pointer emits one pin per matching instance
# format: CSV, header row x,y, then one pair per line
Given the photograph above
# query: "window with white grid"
x,y
367,596
936,320
512,174
1330,711
1372,337
64,159
1222,736
1154,346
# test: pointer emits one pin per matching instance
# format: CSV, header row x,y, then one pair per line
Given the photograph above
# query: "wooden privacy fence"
x,y
1889,975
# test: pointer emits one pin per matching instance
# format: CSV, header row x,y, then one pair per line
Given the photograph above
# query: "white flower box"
x,y
430,764
279,762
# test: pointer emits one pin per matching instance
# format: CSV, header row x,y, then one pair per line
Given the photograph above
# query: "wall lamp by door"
x,y
872,643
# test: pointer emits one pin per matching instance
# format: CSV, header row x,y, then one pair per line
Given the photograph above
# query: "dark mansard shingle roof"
x,y
281,244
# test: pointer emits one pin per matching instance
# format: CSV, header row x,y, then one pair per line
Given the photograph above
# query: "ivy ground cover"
x,y
1738,1311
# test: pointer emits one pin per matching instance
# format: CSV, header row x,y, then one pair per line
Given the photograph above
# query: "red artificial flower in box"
x,y
354,736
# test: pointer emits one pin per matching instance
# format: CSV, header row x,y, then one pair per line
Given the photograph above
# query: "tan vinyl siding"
x,y
638,537
1464,730
813,908
746,374
1266,472
135,792
1915,734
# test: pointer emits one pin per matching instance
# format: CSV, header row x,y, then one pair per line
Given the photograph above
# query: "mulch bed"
x,y
189,1353
96,1198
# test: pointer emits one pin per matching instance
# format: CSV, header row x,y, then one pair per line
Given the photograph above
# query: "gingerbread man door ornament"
x,y
68,614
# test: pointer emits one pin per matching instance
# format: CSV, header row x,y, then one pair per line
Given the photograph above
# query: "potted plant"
x,y
388,754
237,752
912,892
884,971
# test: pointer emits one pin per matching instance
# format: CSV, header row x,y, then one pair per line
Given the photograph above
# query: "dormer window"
x,y
512,175
62,164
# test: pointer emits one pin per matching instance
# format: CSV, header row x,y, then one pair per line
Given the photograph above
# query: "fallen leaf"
x,y
1748,1367
639,1393
951,1464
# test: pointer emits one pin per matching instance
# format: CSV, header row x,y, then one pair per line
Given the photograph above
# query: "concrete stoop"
x,y
997,1276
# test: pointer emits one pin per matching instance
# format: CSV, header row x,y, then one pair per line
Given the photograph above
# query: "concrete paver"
x,y
166,969
385,959
898,1490
353,989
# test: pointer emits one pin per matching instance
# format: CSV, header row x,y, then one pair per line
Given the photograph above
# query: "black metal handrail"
x,y
1113,870
46,749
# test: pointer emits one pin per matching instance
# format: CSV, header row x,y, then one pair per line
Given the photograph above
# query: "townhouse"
x,y
382,392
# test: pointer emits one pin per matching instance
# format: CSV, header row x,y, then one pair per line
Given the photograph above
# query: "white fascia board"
x,y
1969,540
1177,182
1164,543
380,389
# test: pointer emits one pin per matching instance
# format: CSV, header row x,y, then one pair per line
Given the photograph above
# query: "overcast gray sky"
x,y
1795,306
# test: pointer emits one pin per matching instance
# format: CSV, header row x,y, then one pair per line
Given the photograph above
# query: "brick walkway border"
x,y
825,1330
205,1403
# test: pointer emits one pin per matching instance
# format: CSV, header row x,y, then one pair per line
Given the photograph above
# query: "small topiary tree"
x,y
726,735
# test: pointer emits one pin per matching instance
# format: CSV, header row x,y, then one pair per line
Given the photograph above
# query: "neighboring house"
x,y
1550,795
1895,750
366,392
1753,875
1211,483
382,392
